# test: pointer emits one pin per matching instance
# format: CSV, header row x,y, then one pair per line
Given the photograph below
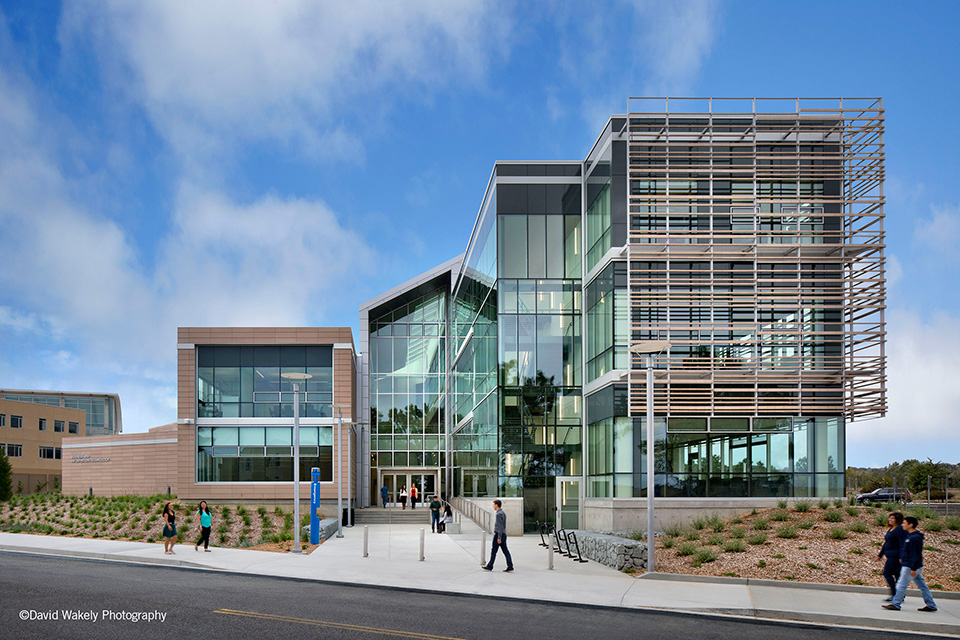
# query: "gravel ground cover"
x,y
827,544
137,518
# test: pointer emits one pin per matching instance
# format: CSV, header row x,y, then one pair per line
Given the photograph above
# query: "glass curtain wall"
x,y
407,386
247,382
712,456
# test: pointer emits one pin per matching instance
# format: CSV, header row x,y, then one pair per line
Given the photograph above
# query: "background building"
x,y
102,409
748,233
32,436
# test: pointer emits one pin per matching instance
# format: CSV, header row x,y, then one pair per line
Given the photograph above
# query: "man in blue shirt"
x,y
911,565
499,539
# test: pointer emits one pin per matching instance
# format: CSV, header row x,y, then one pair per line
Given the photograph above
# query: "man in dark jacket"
x,y
892,541
499,539
911,565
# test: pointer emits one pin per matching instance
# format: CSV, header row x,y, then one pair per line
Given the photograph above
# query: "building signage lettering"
x,y
85,457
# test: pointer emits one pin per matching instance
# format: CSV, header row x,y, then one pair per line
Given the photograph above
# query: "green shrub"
x,y
832,515
699,523
841,560
715,539
762,564
921,512
757,538
760,524
668,543
880,519
805,524
938,587
703,556
716,523
925,548
687,549
734,546
736,521
781,504
738,533
801,506
673,530
838,502
953,523
949,541
860,582
838,533
824,504
859,527
692,535
934,524
853,512
787,531
813,566
780,516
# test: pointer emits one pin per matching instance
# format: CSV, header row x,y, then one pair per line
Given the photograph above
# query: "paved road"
x,y
212,606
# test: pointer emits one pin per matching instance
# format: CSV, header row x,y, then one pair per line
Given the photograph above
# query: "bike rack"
x,y
576,544
545,529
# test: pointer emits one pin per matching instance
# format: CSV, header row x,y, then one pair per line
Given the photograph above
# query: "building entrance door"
x,y
395,480
568,503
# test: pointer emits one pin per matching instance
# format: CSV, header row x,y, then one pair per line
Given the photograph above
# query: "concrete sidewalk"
x,y
452,565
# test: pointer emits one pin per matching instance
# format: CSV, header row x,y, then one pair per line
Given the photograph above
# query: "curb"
x,y
783,584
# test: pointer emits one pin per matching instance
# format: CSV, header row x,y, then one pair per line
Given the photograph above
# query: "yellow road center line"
x,y
334,625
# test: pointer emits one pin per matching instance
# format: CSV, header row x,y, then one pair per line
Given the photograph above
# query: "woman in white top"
x,y
403,496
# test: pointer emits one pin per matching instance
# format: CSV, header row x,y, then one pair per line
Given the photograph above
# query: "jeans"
x,y
891,571
506,552
434,520
904,582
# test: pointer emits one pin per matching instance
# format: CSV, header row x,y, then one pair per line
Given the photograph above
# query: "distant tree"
x,y
6,477
918,476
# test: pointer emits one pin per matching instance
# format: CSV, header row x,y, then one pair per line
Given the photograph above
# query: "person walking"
x,y
499,539
892,541
169,528
911,569
403,497
434,513
206,521
413,496
384,493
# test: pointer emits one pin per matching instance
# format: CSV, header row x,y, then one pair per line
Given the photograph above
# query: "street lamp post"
x,y
296,379
339,473
648,350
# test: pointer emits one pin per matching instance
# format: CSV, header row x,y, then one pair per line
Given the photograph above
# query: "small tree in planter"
x,y
6,477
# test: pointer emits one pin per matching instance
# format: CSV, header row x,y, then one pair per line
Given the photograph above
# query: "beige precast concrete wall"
x,y
122,464
630,514
30,470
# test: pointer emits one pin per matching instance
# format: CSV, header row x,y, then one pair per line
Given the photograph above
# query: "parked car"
x,y
885,494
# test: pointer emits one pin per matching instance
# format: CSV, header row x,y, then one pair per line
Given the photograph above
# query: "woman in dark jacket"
x,y
892,542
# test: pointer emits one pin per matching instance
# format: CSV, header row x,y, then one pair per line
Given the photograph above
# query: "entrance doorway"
x,y
395,479
569,498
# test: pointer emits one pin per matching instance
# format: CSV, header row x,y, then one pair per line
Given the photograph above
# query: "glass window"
x,y
513,246
729,424
278,436
73,427
225,436
687,424
772,424
536,247
16,422
43,424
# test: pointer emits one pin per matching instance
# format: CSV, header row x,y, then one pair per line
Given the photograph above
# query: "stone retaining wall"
x,y
612,551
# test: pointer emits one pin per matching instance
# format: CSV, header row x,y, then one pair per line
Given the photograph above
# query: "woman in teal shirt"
x,y
206,521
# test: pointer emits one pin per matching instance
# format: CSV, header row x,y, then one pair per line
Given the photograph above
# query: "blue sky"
x,y
168,164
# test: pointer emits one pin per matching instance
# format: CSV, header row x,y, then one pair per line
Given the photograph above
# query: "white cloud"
x,y
215,71
923,395
940,232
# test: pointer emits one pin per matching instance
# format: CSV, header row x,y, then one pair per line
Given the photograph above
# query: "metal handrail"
x,y
481,516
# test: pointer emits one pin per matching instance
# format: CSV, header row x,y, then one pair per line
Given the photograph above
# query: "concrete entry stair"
x,y
392,515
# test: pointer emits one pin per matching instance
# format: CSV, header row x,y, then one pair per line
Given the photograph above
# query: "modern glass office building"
x,y
747,233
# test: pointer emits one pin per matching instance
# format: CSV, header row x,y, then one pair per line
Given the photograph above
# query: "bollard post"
x,y
928,490
550,557
366,536
421,545
483,547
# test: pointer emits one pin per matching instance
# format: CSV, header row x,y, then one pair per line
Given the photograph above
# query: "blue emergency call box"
x,y
314,506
